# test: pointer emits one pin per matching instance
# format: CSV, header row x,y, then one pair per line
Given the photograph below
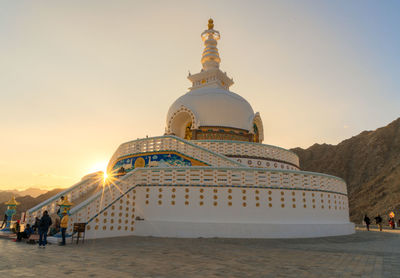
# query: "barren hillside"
x,y
370,164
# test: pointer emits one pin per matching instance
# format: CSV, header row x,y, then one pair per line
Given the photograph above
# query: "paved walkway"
x,y
364,254
376,229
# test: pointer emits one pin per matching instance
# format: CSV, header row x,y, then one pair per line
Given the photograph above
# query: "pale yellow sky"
x,y
79,78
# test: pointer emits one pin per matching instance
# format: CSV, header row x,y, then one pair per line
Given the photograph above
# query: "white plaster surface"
x,y
216,107
241,230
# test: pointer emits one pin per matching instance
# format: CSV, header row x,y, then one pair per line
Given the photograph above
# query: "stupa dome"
x,y
214,107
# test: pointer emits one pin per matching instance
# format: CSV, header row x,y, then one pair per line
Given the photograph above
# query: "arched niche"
x,y
258,129
182,124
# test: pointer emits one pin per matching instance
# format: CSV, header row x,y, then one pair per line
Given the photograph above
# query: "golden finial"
x,y
210,24
65,202
12,202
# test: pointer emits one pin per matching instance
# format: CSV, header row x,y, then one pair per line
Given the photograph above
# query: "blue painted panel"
x,y
156,160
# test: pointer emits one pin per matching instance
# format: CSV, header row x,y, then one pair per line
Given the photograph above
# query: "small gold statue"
x,y
188,131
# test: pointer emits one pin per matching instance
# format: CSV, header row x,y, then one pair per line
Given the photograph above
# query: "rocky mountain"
x,y
27,201
6,195
369,163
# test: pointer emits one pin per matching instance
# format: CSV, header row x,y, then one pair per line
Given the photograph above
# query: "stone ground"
x,y
364,254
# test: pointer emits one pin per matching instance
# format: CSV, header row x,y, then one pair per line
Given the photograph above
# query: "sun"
x,y
105,175
98,166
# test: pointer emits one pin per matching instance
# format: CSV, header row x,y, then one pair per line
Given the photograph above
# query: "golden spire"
x,y
65,202
210,58
12,202
210,24
210,74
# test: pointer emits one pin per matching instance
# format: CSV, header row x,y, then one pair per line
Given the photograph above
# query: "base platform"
x,y
240,230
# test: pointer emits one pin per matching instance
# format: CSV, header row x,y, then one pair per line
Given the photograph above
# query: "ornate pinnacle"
x,y
12,202
210,58
210,75
210,24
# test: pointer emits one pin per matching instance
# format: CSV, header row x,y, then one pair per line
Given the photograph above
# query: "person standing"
x,y
64,225
61,200
44,224
367,221
378,221
35,225
4,224
17,226
55,228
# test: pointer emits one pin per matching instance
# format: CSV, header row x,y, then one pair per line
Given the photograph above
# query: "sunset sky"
x,y
78,78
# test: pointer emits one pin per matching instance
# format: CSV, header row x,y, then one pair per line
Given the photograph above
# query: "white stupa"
x,y
209,175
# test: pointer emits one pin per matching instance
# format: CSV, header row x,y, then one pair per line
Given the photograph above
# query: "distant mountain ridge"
x,y
369,163
34,192
27,201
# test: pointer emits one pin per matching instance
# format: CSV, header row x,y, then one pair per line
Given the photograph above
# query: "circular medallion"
x,y
139,163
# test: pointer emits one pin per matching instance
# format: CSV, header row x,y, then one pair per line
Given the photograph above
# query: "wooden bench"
x,y
78,229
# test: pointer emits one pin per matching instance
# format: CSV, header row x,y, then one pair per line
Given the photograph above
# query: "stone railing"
x,y
87,210
237,148
172,143
219,176
74,193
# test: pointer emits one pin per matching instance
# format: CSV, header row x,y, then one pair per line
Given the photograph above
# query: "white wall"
x,y
251,214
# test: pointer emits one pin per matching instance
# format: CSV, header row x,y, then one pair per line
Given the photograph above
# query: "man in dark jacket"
x,y
44,224
367,221
378,221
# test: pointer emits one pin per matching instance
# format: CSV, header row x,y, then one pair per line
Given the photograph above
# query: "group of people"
x,y
379,221
43,226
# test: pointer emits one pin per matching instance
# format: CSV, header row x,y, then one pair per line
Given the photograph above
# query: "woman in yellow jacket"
x,y
64,225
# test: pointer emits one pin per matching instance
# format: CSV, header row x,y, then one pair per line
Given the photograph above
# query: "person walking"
x,y
64,225
367,221
378,221
44,224
391,222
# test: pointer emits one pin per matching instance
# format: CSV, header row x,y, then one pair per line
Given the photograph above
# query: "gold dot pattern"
x,y
325,201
